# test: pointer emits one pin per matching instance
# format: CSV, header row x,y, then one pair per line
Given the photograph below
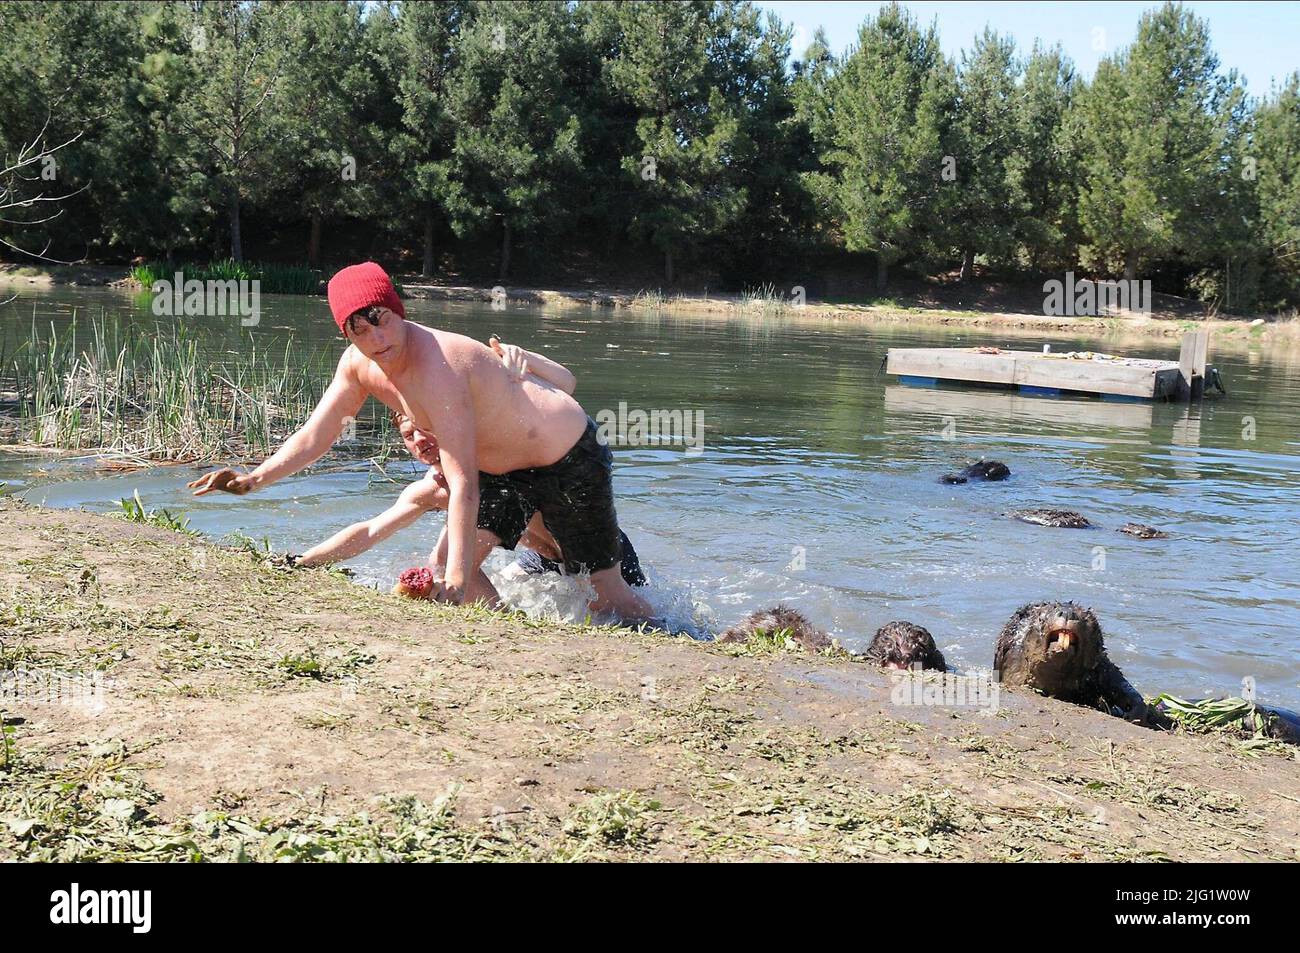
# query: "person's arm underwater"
x,y
416,500
342,399
520,362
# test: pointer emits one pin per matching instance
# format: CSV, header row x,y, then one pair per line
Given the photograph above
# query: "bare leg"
x,y
478,588
614,595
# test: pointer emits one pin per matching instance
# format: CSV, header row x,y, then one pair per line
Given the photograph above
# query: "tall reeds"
x,y
102,387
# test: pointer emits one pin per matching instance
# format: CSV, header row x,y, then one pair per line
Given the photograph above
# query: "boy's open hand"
x,y
231,481
512,356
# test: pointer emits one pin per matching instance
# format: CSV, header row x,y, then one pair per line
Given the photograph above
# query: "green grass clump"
x,y
611,819
273,278
1216,714
133,511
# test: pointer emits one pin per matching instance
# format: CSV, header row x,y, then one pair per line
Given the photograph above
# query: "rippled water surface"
x,y
818,486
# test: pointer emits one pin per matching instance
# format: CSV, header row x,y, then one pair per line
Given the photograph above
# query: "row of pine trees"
x,y
679,134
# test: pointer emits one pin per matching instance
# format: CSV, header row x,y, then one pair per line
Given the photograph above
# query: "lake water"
x,y
818,486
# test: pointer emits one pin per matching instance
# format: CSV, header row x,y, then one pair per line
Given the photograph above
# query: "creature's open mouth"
x,y
1060,639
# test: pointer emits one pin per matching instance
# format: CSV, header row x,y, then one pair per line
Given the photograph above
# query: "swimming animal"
x,y
1056,648
983,470
1065,519
902,645
779,620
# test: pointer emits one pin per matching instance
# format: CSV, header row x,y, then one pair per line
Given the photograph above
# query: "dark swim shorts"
x,y
535,563
575,496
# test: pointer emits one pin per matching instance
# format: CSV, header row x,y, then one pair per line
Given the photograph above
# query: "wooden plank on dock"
x,y
951,363
1084,372
1095,377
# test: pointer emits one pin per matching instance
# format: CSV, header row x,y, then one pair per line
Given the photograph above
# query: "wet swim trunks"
x,y
534,563
575,496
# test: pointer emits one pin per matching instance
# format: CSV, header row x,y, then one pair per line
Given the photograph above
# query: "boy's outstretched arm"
x,y
416,500
342,399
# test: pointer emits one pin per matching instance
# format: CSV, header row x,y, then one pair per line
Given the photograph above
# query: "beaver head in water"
x,y
779,620
902,645
1142,531
983,470
1057,648
1066,519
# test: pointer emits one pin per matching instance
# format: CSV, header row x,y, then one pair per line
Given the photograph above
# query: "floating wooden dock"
x,y
1054,373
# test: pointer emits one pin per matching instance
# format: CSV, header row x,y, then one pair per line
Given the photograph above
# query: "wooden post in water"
x,y
1192,360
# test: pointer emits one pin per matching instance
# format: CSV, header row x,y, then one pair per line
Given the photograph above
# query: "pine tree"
x,y
1153,126
423,55
516,130
224,77
1275,151
689,125
1043,168
988,199
890,101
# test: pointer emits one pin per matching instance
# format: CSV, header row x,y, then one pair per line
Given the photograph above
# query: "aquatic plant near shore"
x,y
274,279
163,396
133,511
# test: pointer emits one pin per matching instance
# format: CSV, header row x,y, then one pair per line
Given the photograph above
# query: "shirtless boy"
x,y
429,494
533,439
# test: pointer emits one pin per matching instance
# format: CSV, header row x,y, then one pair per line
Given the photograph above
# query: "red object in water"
x,y
415,583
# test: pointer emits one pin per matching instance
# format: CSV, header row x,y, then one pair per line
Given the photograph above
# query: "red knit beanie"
x,y
361,286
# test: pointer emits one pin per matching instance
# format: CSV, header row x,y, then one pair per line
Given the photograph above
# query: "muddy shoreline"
x,y
248,711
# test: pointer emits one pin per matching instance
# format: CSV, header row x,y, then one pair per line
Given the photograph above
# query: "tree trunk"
x,y
882,271
426,268
236,240
313,244
967,266
1130,266
505,252
668,266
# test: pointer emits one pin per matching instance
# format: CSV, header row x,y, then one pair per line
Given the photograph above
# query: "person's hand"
x,y
442,592
512,357
226,479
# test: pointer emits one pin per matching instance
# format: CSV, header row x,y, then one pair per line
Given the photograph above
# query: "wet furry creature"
x,y
779,619
1142,531
1056,648
902,645
1063,519
983,470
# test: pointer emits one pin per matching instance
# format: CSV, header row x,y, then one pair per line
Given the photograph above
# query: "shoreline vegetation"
x,y
137,400
446,733
1002,309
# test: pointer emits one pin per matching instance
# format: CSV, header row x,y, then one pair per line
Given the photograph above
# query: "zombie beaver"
x,y
1064,519
779,619
1056,648
983,470
902,645
1069,519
